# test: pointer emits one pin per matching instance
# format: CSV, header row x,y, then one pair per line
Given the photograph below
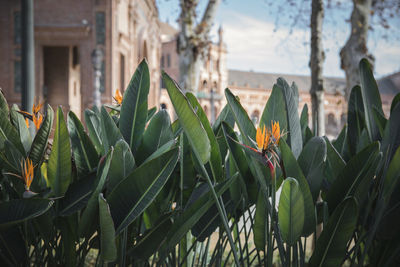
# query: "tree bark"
x,y
356,46
193,40
316,63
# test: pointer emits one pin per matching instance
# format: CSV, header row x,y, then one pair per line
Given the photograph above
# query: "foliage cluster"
x,y
144,191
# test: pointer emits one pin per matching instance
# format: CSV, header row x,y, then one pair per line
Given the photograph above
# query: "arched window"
x,y
204,85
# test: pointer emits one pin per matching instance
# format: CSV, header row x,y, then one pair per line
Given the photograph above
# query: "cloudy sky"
x,y
268,36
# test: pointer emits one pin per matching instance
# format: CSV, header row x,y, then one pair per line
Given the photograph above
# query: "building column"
x,y
28,55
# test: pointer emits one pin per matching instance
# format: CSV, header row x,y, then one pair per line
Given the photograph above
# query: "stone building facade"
x,y
66,33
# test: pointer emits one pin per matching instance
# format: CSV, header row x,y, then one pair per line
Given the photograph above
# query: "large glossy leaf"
x,y
304,123
242,119
3,103
85,154
108,248
226,116
19,122
395,101
153,238
295,140
371,99
93,124
158,133
77,195
312,163
122,164
136,192
275,109
110,131
355,118
392,176
39,144
192,214
215,156
189,121
393,142
90,214
291,211
260,223
361,166
19,210
334,162
59,166
292,169
330,249
8,132
134,106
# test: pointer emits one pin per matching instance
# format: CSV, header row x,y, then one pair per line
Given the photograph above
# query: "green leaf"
x,y
39,144
225,115
152,239
110,132
292,169
361,166
3,103
334,162
275,109
19,210
136,192
192,214
150,113
290,94
134,106
260,227
8,132
392,176
122,164
371,99
93,124
312,163
19,122
108,248
190,123
85,154
90,214
330,249
242,119
158,133
355,118
59,166
77,195
304,123
395,101
215,156
394,132
291,211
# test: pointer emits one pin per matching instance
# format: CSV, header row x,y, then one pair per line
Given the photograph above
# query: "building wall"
x,y
125,30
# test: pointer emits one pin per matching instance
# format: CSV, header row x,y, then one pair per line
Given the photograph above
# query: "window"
x,y
100,28
121,72
204,85
162,61
168,60
163,106
17,27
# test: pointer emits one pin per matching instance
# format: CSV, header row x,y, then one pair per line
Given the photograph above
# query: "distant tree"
x,y
193,40
356,46
317,58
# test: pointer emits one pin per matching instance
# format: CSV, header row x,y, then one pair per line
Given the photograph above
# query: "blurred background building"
x,y
125,31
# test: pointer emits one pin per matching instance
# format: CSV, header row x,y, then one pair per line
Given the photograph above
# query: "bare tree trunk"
x,y
193,40
356,46
316,62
